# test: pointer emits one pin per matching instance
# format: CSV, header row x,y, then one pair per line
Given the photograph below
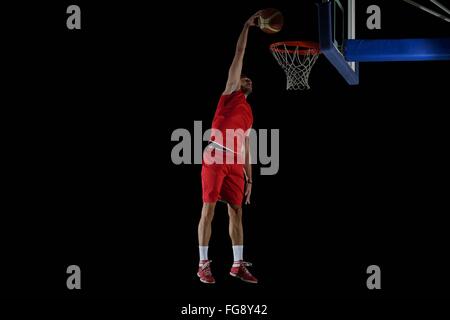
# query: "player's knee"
x,y
234,211
208,210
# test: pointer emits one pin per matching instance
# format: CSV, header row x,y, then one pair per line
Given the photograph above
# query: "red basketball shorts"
x,y
223,182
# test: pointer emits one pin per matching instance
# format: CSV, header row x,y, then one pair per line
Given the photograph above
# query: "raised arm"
x,y
234,73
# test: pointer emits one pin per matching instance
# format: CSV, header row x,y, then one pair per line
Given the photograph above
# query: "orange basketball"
x,y
271,20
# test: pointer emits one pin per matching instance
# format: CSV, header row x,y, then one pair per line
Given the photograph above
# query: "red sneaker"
x,y
239,270
204,272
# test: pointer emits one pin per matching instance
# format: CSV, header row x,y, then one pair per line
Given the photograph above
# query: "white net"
x,y
297,62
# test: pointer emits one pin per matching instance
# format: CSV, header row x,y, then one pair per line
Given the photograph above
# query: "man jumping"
x,y
225,181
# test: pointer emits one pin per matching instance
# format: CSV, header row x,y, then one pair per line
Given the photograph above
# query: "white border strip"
x,y
351,25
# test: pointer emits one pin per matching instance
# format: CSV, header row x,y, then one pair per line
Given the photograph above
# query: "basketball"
x,y
271,20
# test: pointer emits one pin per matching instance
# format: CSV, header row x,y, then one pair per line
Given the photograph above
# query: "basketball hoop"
x,y
297,59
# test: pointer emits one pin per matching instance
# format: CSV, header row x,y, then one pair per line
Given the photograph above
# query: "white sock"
x,y
203,250
238,252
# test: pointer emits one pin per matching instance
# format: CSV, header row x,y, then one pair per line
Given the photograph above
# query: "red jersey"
x,y
233,112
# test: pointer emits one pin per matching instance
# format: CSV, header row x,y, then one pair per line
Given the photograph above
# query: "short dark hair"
x,y
243,75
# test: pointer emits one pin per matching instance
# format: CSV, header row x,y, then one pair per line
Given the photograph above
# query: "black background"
x,y
88,178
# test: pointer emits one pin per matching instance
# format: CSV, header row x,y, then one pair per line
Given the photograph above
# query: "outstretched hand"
x,y
254,19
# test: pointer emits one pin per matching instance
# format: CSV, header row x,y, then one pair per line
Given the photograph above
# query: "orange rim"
x,y
310,47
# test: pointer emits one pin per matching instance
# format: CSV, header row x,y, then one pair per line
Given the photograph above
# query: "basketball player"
x,y
225,181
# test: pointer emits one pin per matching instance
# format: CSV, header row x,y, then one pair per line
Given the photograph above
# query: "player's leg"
x,y
233,192
235,225
239,267
204,234
212,179
204,226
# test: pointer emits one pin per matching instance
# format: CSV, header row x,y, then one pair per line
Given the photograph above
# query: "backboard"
x,y
340,44
336,26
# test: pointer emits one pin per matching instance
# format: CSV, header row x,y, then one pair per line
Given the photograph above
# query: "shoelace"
x,y
244,265
206,268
